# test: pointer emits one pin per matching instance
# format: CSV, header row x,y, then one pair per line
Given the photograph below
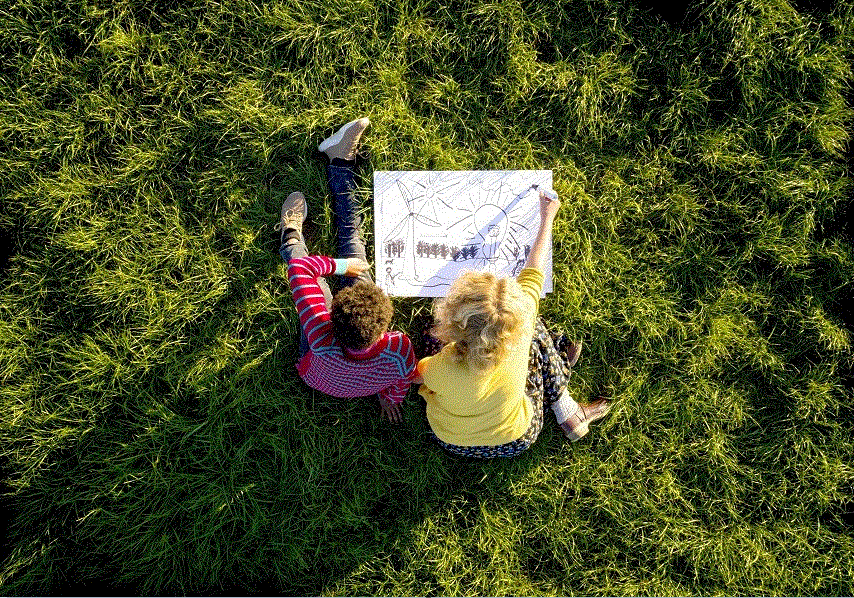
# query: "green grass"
x,y
154,436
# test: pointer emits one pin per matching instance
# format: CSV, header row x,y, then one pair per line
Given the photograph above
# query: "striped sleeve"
x,y
400,352
311,305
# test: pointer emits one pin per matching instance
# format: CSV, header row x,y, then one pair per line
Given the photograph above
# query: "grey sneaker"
x,y
294,213
345,141
579,422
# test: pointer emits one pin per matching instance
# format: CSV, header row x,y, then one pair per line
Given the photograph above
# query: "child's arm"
x,y
417,377
391,411
303,273
355,266
392,396
548,210
391,399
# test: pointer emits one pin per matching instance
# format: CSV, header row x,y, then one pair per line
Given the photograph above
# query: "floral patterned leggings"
x,y
548,373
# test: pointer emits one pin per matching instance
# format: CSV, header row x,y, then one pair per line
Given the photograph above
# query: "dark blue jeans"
x,y
341,176
348,220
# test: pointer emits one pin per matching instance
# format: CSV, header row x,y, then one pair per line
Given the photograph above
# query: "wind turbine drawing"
x,y
432,225
407,224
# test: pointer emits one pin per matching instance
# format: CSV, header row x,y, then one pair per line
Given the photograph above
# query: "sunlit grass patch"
x,y
155,436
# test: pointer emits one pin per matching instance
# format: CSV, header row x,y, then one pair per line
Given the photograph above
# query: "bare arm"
x,y
542,242
355,266
418,378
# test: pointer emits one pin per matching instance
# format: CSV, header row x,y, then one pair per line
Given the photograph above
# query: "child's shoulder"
x,y
397,343
397,336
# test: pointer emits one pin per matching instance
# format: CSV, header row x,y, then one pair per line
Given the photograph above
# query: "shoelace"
x,y
288,217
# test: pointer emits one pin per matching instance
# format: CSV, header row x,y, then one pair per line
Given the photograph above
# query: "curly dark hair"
x,y
360,313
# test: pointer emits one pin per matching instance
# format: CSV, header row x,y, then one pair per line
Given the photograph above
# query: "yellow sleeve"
x,y
424,390
422,365
531,280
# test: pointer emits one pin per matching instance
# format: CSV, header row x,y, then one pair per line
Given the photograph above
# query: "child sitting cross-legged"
x,y
346,348
488,387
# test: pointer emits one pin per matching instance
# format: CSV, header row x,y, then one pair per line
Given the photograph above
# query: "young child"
x,y
346,349
487,388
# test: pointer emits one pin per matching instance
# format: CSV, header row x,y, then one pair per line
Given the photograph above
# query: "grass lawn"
x,y
154,435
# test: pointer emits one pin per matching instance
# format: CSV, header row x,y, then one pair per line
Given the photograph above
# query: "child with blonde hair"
x,y
487,388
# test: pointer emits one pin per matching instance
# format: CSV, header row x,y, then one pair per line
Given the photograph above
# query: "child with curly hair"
x,y
487,388
346,349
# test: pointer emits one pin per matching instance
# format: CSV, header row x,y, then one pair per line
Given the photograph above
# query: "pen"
x,y
550,194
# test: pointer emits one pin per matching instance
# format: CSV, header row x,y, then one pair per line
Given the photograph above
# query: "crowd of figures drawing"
x,y
430,226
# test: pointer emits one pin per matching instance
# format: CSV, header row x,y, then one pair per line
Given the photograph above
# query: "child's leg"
x,y
348,222
292,245
534,390
558,358
555,371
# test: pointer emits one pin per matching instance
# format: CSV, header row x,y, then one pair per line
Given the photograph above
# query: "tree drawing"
x,y
407,225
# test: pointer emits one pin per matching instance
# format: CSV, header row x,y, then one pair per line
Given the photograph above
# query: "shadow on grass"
x,y
197,462
213,469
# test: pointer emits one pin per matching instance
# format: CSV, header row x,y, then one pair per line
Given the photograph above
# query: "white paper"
x,y
430,226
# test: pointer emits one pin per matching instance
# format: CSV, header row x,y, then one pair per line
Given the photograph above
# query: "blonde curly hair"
x,y
482,315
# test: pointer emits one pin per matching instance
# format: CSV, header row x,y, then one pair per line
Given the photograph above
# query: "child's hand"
x,y
391,411
548,207
355,267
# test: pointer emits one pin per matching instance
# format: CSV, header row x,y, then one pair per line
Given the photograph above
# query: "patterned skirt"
x,y
548,373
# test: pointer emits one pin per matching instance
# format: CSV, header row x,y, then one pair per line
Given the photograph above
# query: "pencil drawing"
x,y
432,225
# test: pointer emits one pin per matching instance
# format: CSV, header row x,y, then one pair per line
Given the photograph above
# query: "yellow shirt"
x,y
471,407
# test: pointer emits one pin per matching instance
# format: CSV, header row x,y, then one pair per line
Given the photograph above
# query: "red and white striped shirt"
x,y
385,368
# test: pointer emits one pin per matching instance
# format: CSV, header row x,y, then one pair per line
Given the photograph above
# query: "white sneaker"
x,y
345,141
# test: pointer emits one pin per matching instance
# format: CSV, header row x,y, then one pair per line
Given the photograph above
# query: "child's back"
x,y
384,367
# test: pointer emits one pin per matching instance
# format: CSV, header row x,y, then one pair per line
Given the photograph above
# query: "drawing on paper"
x,y
430,226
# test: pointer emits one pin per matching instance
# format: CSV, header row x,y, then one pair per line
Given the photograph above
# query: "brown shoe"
x,y
345,141
573,352
579,423
294,213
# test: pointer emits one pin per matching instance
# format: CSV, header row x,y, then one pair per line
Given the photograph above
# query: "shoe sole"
x,y
336,138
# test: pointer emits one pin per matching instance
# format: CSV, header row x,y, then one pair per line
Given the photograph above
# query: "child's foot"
x,y
294,212
577,426
571,354
344,143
